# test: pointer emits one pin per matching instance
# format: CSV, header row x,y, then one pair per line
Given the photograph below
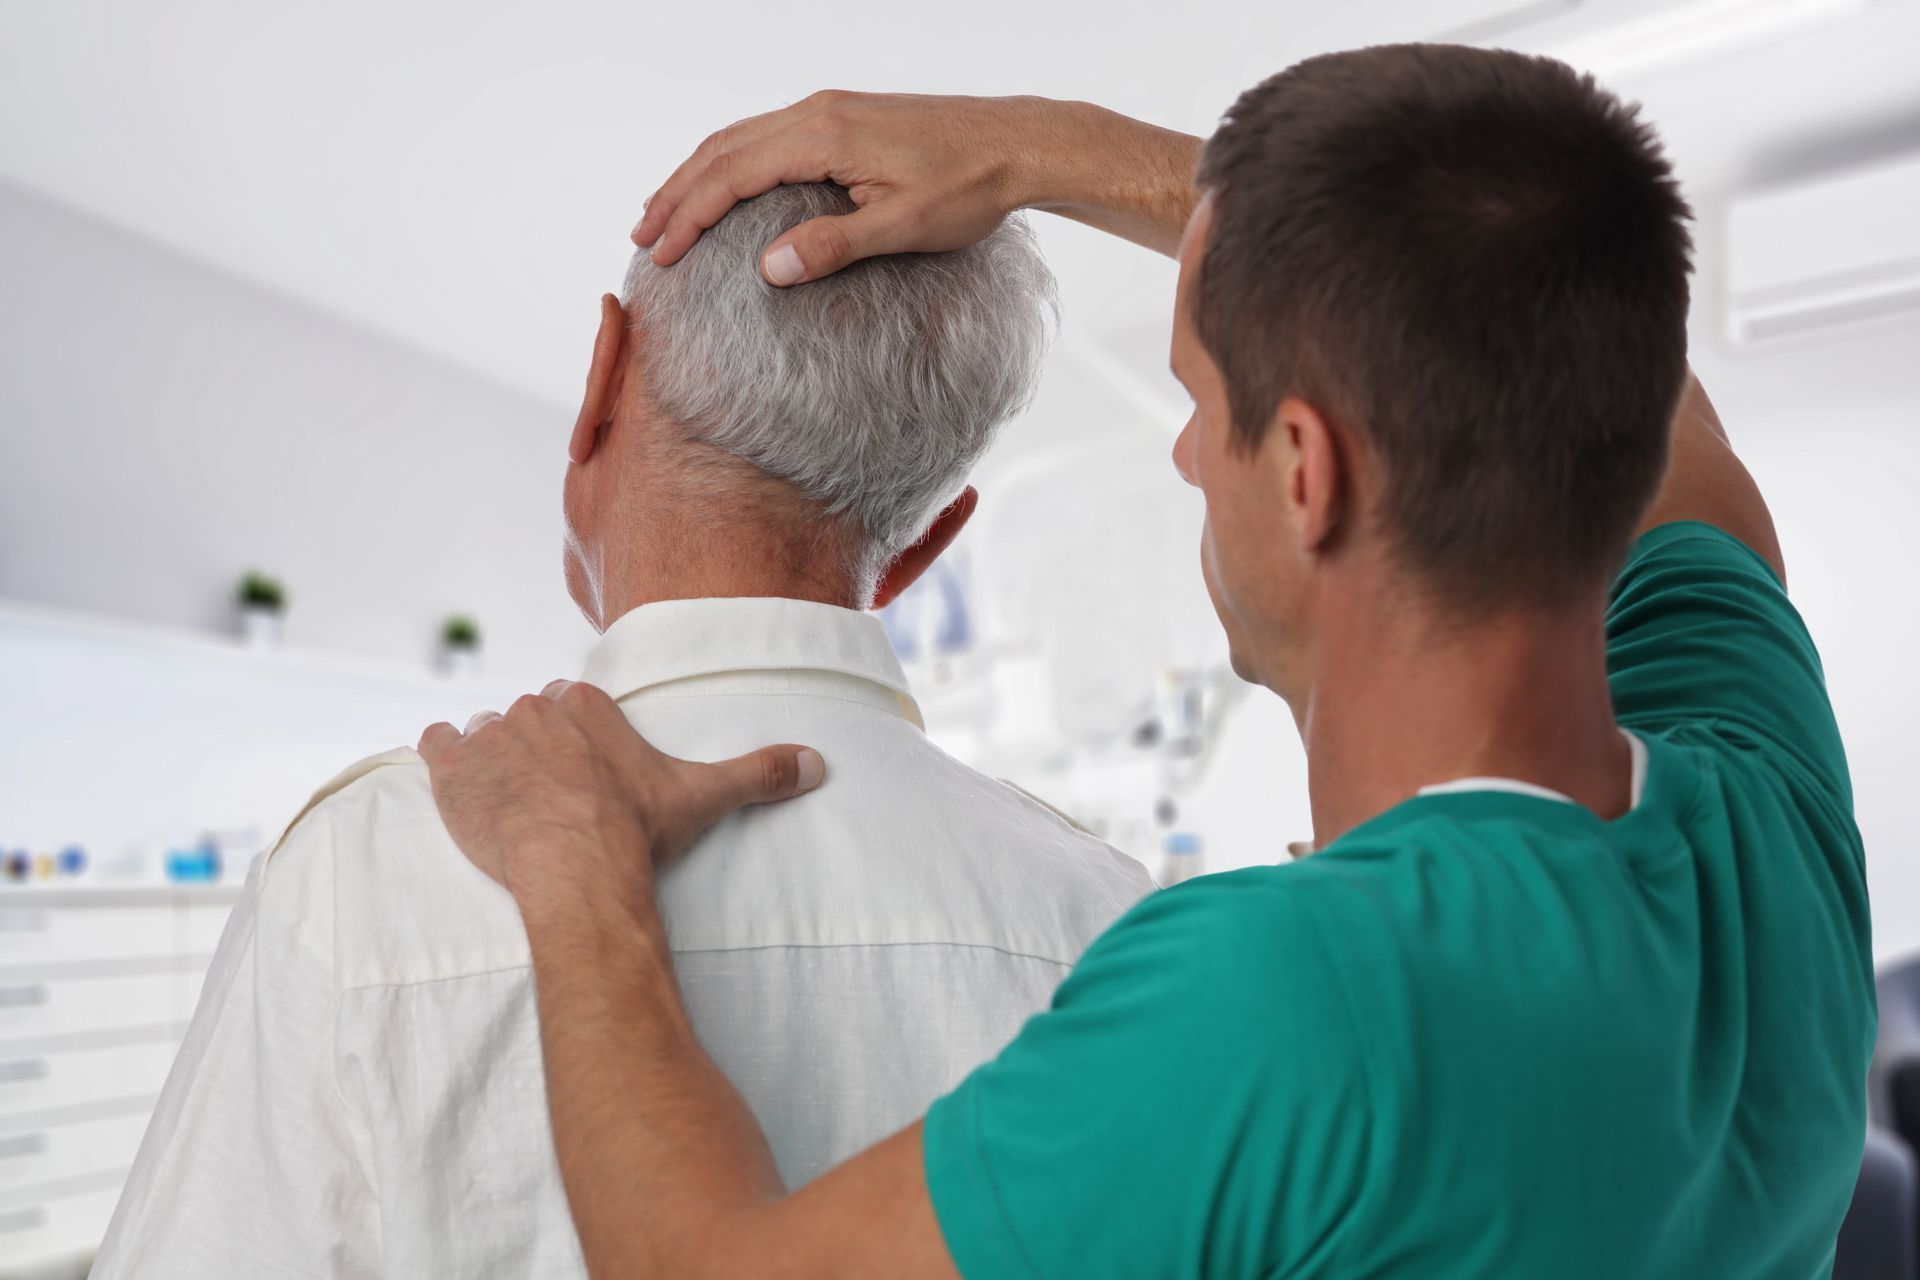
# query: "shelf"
x,y
28,897
296,662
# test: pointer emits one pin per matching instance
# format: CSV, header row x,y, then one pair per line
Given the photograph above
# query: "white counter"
x,y
97,985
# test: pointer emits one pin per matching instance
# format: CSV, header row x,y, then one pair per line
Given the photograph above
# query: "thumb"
x,y
712,791
822,246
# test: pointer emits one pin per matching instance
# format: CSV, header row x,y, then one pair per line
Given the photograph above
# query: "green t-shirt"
x,y
1483,1033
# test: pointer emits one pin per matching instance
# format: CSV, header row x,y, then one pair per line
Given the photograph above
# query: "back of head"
x,y
872,391
1476,261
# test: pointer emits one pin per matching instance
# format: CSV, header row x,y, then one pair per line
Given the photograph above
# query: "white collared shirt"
x,y
360,1093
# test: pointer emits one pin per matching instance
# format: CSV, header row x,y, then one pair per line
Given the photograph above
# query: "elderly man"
x,y
361,1090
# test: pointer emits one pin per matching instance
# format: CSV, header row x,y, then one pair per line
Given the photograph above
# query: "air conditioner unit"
x,y
1841,249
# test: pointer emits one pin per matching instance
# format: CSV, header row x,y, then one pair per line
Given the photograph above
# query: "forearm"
x,y
1706,481
663,1164
1113,173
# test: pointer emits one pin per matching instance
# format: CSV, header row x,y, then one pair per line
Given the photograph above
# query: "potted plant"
x,y
460,645
261,603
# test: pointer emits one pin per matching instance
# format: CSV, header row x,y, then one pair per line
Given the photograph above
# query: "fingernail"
x,y
635,233
809,769
783,265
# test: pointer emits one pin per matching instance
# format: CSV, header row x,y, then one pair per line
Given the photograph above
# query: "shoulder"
x,y
369,860
1083,854
1273,943
1073,885
978,858
1690,548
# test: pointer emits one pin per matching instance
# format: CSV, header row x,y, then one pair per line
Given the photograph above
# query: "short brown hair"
x,y
1475,261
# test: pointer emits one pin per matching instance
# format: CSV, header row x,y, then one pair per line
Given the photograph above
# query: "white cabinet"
x,y
40,1236
49,1154
35,936
96,988
33,1083
37,1006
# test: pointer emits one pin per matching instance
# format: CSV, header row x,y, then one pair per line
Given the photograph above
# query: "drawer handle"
x,y
21,1070
20,997
16,1145
22,1220
17,921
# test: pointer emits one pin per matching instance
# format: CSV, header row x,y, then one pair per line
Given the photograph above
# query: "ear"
x,y
605,379
913,562
1315,478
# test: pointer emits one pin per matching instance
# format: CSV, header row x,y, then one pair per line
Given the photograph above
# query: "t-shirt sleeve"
x,y
1193,1102
1700,633
250,1166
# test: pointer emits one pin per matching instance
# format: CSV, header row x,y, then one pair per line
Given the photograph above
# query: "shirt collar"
x,y
812,644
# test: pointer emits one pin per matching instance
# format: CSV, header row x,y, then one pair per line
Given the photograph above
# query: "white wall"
x,y
1845,490
167,427
128,741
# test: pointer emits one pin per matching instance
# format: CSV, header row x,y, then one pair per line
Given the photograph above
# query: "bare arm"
x,y
665,1168
929,174
1115,174
1706,481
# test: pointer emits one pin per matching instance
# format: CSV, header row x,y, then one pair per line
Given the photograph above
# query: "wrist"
x,y
1120,175
1049,165
561,906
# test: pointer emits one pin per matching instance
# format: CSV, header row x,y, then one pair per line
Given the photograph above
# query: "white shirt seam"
x,y
523,966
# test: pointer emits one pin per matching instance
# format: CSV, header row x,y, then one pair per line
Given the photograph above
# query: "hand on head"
x,y
917,166
563,802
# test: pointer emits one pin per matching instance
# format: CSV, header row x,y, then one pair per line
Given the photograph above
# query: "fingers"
x,y
435,741
824,245
661,203
739,135
791,155
436,738
759,777
691,797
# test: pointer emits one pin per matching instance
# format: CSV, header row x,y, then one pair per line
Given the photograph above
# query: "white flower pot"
x,y
261,628
459,661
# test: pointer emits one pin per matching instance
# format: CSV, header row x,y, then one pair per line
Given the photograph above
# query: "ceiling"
x,y
461,177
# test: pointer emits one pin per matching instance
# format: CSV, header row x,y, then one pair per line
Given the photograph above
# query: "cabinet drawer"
x,y
29,1157
33,935
33,1008
32,1084
41,1234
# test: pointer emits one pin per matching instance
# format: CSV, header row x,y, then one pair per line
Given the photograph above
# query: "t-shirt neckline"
x,y
1637,787
1655,800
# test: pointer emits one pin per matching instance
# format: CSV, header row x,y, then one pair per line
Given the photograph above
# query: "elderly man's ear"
x,y
913,562
605,378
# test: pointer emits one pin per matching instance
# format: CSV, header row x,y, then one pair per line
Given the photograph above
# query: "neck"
x,y
1403,701
684,557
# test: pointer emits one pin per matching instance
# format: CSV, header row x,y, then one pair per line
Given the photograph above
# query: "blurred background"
x,y
296,302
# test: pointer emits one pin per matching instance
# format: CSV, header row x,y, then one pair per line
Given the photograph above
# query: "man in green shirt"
x,y
1578,981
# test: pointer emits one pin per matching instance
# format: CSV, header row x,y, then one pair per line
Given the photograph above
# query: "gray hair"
x,y
872,391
